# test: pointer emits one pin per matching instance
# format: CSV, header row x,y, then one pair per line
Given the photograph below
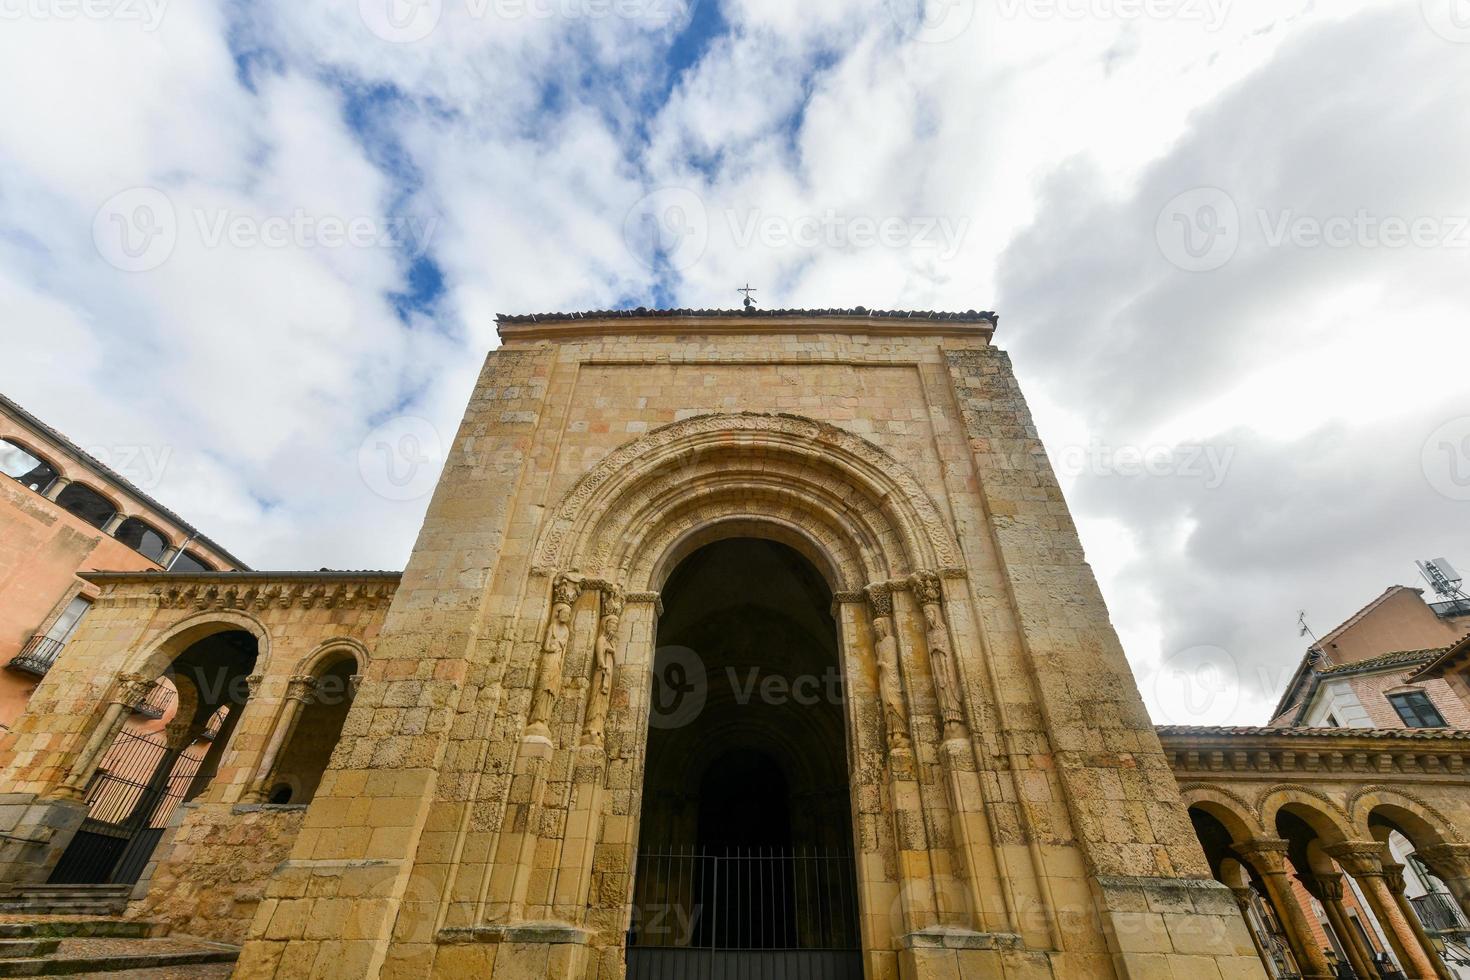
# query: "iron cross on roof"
x,y
747,289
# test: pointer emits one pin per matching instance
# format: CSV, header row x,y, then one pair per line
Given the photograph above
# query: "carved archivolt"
x,y
1241,810
1296,793
805,466
1397,795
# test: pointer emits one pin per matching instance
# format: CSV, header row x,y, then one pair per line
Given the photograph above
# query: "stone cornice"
x,y
1274,751
617,323
252,591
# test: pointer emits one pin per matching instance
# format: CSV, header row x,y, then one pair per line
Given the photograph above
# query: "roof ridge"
x,y
967,316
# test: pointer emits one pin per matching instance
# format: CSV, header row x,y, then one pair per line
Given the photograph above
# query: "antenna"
x,y
1442,578
1303,629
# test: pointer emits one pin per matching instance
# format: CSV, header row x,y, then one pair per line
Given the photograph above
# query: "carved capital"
x,y
566,589
252,684
1446,861
880,598
1393,875
927,588
1359,858
131,688
1324,888
1267,855
612,600
301,688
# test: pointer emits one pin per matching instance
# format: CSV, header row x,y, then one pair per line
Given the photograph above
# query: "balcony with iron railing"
x,y
155,702
37,656
1440,914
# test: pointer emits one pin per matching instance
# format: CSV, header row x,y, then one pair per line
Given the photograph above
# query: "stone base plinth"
x,y
33,834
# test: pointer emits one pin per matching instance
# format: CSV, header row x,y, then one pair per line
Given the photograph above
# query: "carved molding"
x,y
815,445
264,595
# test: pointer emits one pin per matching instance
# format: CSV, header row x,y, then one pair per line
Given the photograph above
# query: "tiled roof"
x,y
968,316
1405,658
102,469
1449,653
1214,731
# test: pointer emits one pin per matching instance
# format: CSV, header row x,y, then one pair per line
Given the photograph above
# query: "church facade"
x,y
731,645
1008,804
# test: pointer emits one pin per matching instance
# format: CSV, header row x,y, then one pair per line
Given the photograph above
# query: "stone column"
x,y
1243,896
1450,863
129,690
1267,857
113,523
1328,889
55,489
299,691
1364,861
1393,876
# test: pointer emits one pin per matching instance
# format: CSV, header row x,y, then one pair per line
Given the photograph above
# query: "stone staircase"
x,y
48,946
95,900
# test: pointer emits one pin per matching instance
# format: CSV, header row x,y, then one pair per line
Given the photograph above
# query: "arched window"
x,y
143,537
190,562
23,466
86,503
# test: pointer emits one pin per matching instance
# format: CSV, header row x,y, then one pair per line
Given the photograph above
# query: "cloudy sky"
x,y
244,244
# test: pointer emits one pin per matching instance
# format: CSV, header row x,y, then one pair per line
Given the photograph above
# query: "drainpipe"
x,y
187,541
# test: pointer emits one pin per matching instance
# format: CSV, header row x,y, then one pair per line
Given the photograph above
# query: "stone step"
x,y
112,956
81,927
12,948
61,908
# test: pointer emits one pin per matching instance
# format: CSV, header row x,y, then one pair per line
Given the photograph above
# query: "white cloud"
x,y
1040,145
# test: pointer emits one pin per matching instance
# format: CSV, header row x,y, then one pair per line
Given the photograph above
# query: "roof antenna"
x,y
747,289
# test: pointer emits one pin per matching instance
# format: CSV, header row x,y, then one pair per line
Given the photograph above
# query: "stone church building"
x,y
751,645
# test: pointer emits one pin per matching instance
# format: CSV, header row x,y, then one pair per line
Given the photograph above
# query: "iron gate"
x,y
745,914
135,790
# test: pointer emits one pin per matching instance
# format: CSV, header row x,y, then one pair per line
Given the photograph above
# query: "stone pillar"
x,y
1393,876
1328,889
1450,863
1267,857
1243,896
55,489
1364,861
113,523
130,689
299,691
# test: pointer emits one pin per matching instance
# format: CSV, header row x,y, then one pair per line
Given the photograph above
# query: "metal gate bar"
x,y
744,914
137,787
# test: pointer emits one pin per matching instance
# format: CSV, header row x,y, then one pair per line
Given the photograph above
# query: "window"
x,y
1417,711
23,467
190,562
66,623
86,503
142,537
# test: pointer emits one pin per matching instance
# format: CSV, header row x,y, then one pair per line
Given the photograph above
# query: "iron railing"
x,y
1440,913
37,656
155,702
745,899
212,727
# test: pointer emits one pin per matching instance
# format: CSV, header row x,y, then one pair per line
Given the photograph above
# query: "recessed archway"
x,y
746,816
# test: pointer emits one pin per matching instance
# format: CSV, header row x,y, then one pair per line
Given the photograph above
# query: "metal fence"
x,y
137,787
765,913
37,656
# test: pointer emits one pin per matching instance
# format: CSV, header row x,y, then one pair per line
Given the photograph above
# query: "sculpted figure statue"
x,y
604,658
558,633
890,688
946,680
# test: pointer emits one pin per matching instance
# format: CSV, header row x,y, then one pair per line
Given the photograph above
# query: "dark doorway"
x,y
745,863
149,770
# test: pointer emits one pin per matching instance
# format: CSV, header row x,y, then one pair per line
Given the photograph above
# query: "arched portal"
x,y
164,737
746,844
